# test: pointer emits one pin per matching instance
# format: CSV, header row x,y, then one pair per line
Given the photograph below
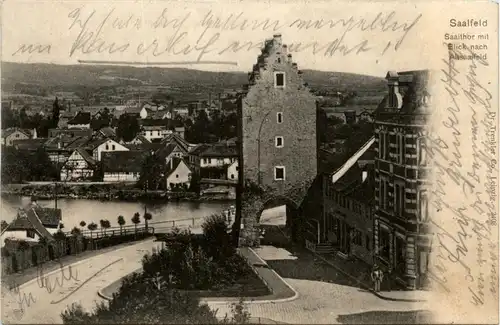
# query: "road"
x,y
324,295
84,280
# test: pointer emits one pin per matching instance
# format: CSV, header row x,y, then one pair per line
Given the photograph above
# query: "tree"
x,y
61,226
147,216
135,220
121,222
92,227
82,224
127,127
101,223
194,185
76,231
56,110
152,172
106,225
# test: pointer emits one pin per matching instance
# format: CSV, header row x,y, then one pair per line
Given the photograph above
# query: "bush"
x,y
218,241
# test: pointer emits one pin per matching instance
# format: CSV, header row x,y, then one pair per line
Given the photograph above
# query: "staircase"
x,y
324,248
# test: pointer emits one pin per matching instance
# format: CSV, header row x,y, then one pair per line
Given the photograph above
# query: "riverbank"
x,y
107,192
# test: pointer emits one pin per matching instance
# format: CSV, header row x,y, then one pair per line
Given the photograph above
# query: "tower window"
x,y
279,79
279,173
279,117
278,142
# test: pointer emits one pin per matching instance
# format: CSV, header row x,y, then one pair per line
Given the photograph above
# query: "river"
x,y
76,210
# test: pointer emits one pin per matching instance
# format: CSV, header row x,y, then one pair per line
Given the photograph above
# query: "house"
x,y
173,146
180,141
64,118
122,166
107,132
349,204
139,139
28,144
104,145
402,225
232,170
73,132
32,223
11,134
79,166
155,133
81,120
212,160
180,130
178,174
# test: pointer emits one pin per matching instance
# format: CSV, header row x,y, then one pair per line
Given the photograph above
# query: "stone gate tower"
x,y
278,118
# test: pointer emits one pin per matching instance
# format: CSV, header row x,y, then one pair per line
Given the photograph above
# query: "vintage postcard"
x,y
249,162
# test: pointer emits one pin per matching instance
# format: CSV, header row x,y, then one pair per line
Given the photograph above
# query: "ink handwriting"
x,y
475,216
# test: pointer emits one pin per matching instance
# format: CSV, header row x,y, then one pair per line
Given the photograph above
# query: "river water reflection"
x,y
76,210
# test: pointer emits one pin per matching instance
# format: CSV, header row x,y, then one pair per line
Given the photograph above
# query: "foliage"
x,y
152,175
127,127
217,239
213,128
121,222
194,185
76,231
103,120
136,219
59,235
147,217
240,312
22,165
23,245
92,226
56,110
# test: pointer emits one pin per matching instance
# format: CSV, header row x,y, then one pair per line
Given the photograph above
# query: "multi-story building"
x,y
278,121
401,238
277,130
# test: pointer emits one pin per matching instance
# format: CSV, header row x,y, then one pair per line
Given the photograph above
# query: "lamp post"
x,y
258,146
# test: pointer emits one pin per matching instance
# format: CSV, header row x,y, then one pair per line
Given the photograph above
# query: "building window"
x,y
423,206
113,147
279,117
107,147
356,240
383,194
422,151
232,176
278,142
176,175
279,79
399,199
368,243
401,148
279,173
383,145
384,243
30,234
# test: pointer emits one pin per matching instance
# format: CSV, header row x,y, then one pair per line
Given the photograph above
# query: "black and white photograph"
x,y
214,163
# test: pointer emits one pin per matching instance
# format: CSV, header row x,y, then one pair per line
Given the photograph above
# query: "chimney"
x,y
34,133
364,175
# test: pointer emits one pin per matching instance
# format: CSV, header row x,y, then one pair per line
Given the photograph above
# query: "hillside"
x,y
68,77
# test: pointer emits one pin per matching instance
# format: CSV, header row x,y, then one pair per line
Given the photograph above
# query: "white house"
x,y
9,135
178,174
79,166
155,132
32,223
232,171
122,166
105,145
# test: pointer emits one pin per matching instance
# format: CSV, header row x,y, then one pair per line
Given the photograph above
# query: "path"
x,y
46,308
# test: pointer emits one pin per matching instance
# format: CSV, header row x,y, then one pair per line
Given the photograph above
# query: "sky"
x,y
340,36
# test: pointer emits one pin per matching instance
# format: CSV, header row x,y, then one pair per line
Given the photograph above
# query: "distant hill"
x,y
53,76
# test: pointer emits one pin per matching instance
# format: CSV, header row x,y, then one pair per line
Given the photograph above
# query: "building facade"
x,y
277,130
402,239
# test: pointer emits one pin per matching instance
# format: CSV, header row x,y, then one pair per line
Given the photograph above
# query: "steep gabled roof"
x,y
172,166
351,161
85,155
37,219
81,118
175,138
28,144
216,150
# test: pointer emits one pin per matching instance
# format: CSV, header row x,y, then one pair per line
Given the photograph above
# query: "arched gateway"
x,y
278,142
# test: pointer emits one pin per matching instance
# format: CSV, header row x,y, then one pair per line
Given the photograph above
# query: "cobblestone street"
x,y
325,295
